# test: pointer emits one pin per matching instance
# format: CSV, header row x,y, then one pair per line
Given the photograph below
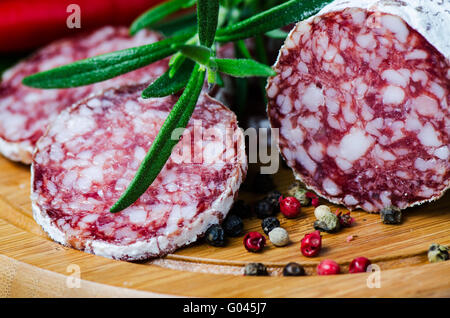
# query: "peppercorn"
x,y
268,224
311,244
255,269
321,210
254,241
293,269
297,191
290,207
438,253
263,209
391,215
359,265
328,267
329,223
345,220
314,199
215,235
274,198
232,225
241,209
279,236
263,183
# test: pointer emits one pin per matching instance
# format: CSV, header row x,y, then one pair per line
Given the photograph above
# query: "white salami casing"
x,y
361,100
91,152
25,112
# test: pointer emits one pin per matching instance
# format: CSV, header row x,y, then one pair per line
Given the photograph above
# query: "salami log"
x,y
25,112
361,101
91,152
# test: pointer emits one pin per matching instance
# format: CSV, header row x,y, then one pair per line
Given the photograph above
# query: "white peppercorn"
x,y
321,211
279,236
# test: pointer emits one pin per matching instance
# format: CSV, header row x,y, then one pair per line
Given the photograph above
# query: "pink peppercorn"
x,y
311,244
314,199
359,265
254,241
345,219
328,267
290,207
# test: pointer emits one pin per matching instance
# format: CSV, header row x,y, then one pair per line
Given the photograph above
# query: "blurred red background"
x,y
28,24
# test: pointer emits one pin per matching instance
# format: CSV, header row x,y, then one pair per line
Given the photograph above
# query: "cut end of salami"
x,y
361,101
25,112
91,152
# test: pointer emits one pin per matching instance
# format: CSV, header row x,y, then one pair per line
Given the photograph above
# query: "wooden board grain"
x,y
32,265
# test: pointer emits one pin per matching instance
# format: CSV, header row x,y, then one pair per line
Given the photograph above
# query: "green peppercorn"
x,y
329,222
391,215
297,191
437,253
215,235
255,269
293,269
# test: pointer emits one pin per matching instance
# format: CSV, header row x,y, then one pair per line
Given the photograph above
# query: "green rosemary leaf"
x,y
277,34
106,66
158,13
166,85
163,144
208,14
197,53
243,68
274,18
175,63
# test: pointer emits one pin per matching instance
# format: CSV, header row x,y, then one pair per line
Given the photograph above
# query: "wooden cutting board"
x,y
31,265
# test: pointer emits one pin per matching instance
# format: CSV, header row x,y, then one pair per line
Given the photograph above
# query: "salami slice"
x,y
361,101
25,112
91,152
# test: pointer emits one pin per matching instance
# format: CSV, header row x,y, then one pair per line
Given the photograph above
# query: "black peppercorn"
x,y
232,225
215,235
269,223
241,209
391,215
263,209
263,183
274,198
293,269
255,269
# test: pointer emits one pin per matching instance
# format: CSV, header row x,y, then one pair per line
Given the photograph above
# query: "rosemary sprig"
x,y
194,55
